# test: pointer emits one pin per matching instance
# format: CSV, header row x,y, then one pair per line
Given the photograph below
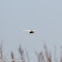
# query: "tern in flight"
x,y
30,31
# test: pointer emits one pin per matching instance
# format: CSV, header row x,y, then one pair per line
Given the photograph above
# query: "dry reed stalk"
x,y
48,56
46,51
55,54
12,56
61,55
1,54
40,57
21,54
61,59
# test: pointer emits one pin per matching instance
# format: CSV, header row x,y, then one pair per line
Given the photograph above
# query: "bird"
x,y
30,31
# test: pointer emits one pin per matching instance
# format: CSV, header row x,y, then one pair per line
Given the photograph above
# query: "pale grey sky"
x,y
44,16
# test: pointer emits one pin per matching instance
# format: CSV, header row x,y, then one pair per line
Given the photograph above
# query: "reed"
x,y
45,56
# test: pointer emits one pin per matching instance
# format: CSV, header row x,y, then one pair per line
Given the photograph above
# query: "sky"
x,y
44,16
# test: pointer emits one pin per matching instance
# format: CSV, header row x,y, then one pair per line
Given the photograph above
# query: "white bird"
x,y
30,31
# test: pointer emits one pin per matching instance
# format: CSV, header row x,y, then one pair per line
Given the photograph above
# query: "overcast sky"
x,y
44,16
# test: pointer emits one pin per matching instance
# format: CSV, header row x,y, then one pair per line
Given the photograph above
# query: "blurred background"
x,y
44,16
